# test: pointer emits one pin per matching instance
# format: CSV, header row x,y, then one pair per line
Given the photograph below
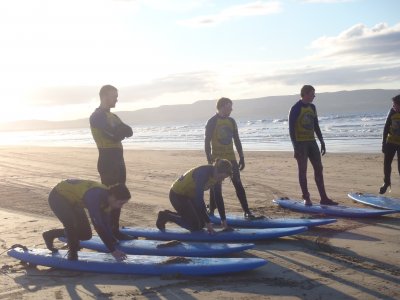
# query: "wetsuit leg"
x,y
187,216
212,205
302,160
315,159
111,166
73,217
237,183
218,200
390,151
398,158
112,170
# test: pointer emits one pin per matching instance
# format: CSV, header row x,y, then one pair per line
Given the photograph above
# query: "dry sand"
x,y
350,259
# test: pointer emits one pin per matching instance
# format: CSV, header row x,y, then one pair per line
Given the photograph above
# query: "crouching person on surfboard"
x,y
69,198
187,197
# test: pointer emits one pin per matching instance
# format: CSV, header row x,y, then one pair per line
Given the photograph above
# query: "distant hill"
x,y
376,101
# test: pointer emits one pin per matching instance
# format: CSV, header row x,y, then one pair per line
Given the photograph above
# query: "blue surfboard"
x,y
162,248
238,220
243,234
333,210
376,201
136,264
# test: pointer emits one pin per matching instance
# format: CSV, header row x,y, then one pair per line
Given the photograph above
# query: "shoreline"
x,y
378,151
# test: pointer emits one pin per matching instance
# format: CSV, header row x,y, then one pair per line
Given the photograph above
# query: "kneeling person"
x,y
187,197
69,198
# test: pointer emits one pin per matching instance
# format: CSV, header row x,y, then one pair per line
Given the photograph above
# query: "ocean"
x,y
350,133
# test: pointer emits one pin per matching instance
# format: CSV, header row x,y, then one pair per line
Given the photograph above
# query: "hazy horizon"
x,y
57,54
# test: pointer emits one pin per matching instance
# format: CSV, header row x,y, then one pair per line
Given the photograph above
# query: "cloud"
x,y
250,9
172,84
65,95
343,75
359,40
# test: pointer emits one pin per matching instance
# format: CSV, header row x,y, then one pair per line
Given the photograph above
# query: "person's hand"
x,y
241,163
210,229
383,147
118,255
323,149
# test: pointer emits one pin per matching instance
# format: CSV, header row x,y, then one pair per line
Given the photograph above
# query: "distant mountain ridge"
x,y
372,101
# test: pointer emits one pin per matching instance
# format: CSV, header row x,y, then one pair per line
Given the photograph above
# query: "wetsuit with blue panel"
x,y
221,133
108,132
303,123
68,201
187,197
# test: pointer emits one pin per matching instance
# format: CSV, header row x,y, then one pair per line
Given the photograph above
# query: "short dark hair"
x,y
223,166
223,101
105,89
120,191
306,89
396,99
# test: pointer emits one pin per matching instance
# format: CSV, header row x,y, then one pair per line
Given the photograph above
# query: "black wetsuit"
x,y
187,197
68,201
391,144
303,123
108,131
220,135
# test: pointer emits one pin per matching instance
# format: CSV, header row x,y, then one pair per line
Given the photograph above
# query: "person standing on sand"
x,y
303,123
69,198
221,133
391,142
187,197
108,131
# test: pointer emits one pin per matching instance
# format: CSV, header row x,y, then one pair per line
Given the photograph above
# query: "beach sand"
x,y
350,259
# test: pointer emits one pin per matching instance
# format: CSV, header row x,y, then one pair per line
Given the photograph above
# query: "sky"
x,y
56,54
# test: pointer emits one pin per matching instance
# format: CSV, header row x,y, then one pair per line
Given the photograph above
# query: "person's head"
x,y
118,195
222,169
307,93
108,96
224,107
396,103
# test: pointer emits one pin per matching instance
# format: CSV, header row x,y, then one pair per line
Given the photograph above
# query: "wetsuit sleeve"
x,y
122,130
210,126
118,133
94,200
293,115
316,125
236,139
200,177
388,123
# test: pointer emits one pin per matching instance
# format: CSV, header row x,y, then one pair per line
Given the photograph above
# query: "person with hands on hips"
x,y
68,200
187,197
303,124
